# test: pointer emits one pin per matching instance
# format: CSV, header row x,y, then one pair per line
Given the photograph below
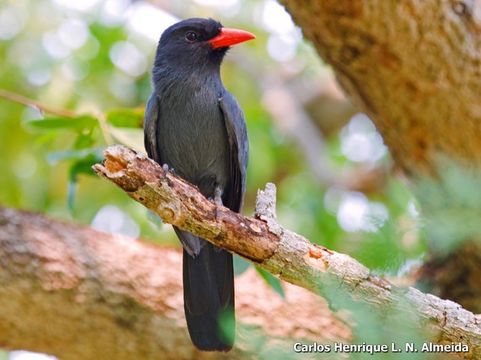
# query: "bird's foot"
x,y
218,196
217,200
166,169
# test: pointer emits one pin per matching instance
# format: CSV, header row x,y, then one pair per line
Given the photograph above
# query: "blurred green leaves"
x,y
86,150
451,204
127,118
272,281
81,163
241,265
79,123
227,326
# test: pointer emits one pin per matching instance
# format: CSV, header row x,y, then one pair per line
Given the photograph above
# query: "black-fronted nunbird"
x,y
196,127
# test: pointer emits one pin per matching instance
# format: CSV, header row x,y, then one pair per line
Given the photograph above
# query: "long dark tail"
x,y
209,297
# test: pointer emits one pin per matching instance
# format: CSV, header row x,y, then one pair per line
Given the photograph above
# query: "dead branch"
x,y
282,252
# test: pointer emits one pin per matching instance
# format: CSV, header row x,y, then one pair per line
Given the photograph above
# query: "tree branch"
x,y
77,293
20,99
282,252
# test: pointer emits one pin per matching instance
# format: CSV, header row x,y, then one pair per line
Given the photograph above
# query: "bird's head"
x,y
197,43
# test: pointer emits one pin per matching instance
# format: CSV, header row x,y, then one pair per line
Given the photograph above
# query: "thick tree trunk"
x,y
76,293
415,68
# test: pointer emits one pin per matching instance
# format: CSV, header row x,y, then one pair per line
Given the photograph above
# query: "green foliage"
x,y
78,123
227,326
81,165
240,265
272,281
130,118
452,203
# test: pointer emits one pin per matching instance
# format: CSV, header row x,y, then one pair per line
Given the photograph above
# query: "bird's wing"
x,y
239,151
151,119
191,243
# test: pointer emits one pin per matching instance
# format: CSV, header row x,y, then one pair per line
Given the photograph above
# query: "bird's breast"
x,y
192,137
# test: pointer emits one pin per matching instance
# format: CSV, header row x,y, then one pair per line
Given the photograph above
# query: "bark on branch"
x,y
283,253
80,294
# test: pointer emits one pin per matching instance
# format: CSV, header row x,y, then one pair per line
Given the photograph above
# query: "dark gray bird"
x,y
195,126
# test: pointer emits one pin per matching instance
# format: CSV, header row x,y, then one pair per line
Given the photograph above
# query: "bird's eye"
x,y
191,36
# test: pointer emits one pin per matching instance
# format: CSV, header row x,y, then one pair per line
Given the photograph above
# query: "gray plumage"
x,y
196,127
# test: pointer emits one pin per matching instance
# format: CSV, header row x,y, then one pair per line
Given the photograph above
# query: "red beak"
x,y
228,37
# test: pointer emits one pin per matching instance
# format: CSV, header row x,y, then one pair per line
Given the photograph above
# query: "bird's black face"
x,y
197,42
188,36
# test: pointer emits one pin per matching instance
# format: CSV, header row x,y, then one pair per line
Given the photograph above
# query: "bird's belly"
x,y
197,148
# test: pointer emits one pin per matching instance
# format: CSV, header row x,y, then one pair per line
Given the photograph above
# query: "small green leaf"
x,y
63,123
82,166
227,325
272,281
240,265
131,118
84,141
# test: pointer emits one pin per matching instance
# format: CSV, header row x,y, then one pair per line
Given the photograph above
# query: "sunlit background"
x,y
334,175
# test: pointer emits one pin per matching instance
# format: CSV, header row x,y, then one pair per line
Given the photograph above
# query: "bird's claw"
x,y
217,200
218,196
166,169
